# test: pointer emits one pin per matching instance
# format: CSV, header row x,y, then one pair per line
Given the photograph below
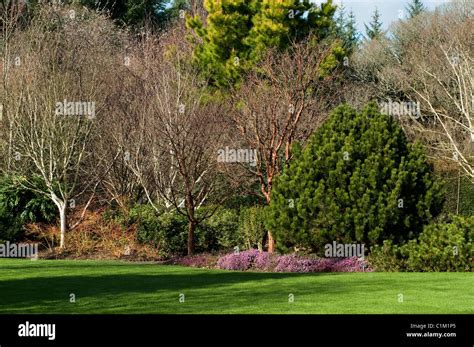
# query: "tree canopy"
x,y
236,33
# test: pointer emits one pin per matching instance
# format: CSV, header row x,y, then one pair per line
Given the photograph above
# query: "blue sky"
x,y
389,9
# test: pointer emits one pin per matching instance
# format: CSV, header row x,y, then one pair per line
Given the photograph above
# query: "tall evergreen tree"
x,y
346,28
351,29
340,20
374,29
238,32
415,8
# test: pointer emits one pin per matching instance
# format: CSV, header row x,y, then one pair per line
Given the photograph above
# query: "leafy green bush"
x,y
220,231
225,229
440,247
11,229
252,227
357,180
465,188
19,206
230,227
386,257
166,231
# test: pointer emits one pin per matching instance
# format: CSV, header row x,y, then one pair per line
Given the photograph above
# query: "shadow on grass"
x,y
44,291
125,287
26,264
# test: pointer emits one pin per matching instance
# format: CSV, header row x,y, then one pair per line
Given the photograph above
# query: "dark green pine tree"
x,y
415,8
351,30
374,29
346,30
340,20
358,179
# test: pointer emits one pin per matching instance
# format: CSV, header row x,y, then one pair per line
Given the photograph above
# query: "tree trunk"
x,y
62,216
191,222
271,240
271,243
191,229
61,204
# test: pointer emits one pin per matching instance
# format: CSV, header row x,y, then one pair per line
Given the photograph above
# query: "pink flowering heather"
x,y
295,263
238,261
264,261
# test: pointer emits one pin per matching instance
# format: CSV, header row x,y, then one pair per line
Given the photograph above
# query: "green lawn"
x,y
117,287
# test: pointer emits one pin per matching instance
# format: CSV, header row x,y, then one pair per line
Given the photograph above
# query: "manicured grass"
x,y
117,287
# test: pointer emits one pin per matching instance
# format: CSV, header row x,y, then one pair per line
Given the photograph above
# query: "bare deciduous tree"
x,y
282,101
441,78
429,59
55,94
172,149
10,20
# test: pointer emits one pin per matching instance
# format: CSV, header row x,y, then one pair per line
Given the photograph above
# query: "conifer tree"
x,y
236,33
351,30
415,8
374,29
346,29
358,179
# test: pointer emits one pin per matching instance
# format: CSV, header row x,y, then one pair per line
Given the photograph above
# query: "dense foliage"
x,y
19,205
440,247
236,33
357,180
227,229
